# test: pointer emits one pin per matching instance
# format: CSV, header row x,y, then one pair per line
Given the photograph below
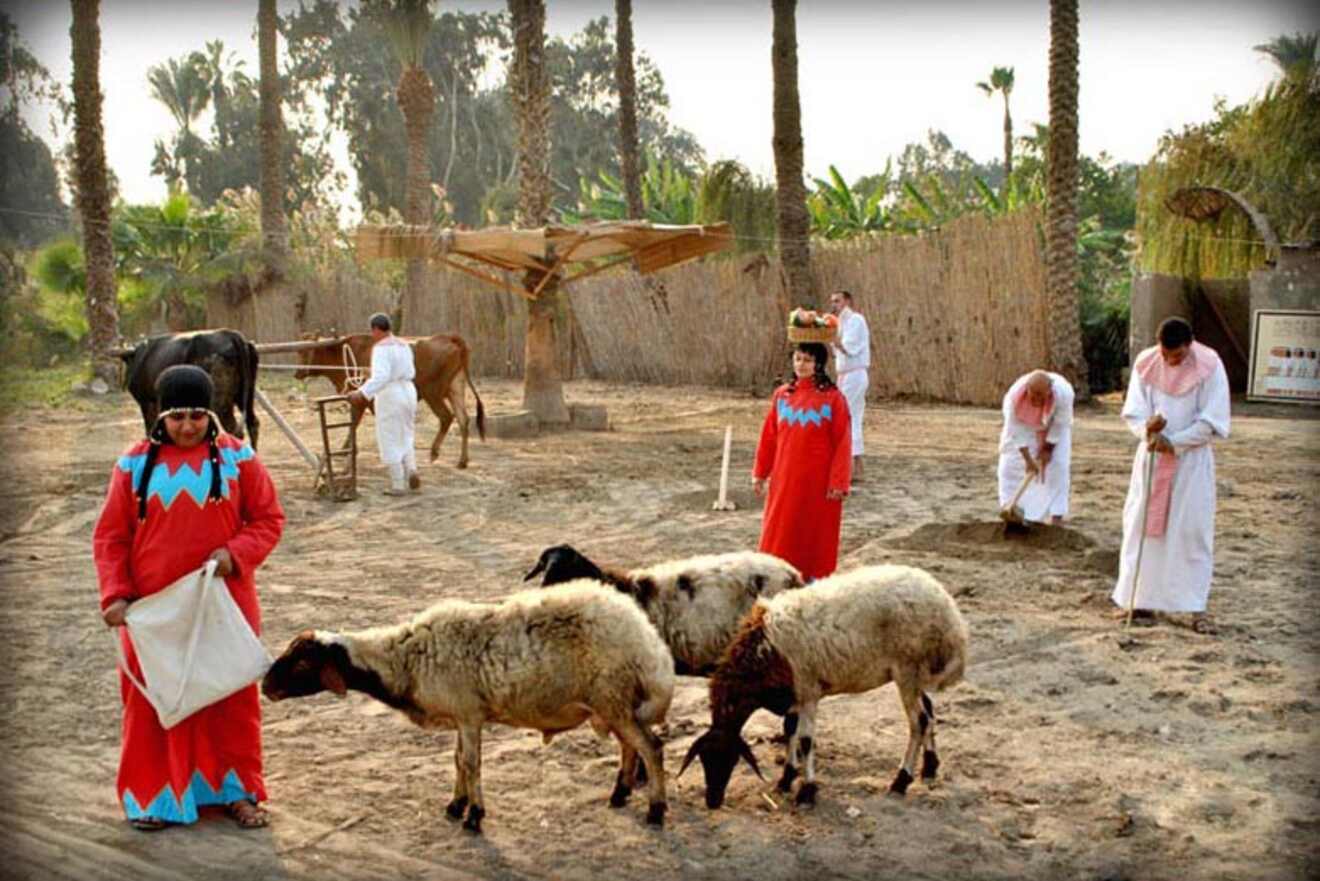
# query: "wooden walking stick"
x,y
1148,474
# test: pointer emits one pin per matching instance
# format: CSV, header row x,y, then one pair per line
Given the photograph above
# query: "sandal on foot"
x,y
147,824
1137,615
248,815
1203,625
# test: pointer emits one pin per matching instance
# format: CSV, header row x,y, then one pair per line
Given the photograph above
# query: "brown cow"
x,y
442,371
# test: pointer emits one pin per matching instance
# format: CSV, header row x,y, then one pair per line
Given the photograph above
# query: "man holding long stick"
x,y
1177,403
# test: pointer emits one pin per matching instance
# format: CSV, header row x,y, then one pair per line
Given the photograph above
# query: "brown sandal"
x,y
147,824
248,815
1203,625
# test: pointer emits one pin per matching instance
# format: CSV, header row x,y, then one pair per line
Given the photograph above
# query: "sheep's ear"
x,y
536,570
745,750
693,751
333,680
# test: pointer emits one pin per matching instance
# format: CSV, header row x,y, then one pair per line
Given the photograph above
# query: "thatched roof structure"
x,y
538,255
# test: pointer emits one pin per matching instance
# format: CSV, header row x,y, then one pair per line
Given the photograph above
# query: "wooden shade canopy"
x,y
541,254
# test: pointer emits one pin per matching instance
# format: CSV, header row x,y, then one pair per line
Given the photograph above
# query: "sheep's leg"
x,y
470,738
791,727
454,810
930,761
627,776
806,753
911,697
649,747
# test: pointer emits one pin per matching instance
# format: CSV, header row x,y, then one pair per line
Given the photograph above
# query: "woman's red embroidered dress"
x,y
805,450
213,756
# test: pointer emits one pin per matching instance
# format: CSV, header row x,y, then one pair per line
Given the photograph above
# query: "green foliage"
x,y
1295,54
172,252
1001,80
668,196
29,183
59,270
729,193
229,158
405,23
1267,151
22,387
838,211
335,58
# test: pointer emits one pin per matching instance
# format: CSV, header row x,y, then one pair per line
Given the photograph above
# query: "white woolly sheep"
x,y
695,603
545,659
844,634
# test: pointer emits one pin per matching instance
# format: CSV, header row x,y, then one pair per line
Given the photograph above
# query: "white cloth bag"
x,y
193,644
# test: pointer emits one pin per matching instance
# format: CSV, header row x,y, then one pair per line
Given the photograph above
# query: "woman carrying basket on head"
x,y
186,494
805,456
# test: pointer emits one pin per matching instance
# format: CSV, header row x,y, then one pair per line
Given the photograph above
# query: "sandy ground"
x,y
1073,749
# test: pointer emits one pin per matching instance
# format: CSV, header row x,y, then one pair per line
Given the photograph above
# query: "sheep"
x,y
696,603
844,634
545,659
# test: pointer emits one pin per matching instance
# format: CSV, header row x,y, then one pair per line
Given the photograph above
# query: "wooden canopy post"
x,y
543,387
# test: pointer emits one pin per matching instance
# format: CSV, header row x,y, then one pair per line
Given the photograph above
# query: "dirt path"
x,y
1073,750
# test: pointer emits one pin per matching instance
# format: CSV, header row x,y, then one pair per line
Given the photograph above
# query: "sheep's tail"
x,y
655,691
948,663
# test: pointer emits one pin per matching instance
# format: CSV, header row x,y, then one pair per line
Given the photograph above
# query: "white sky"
x,y
873,76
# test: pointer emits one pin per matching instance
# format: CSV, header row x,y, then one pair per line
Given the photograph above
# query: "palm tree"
x,y
626,80
408,24
543,389
1296,53
1065,336
93,194
213,66
182,87
1001,80
274,231
791,192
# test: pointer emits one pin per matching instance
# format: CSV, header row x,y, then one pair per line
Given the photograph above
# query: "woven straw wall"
x,y
955,315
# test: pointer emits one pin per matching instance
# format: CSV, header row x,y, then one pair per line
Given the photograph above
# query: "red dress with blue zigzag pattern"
x,y
805,450
214,756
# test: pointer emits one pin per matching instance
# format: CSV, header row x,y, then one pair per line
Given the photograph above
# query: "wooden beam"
x,y
487,278
298,346
284,426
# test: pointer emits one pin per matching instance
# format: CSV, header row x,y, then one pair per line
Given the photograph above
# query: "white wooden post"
x,y
723,504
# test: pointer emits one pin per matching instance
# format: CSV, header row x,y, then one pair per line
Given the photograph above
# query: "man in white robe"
x,y
391,387
1177,403
852,363
1037,440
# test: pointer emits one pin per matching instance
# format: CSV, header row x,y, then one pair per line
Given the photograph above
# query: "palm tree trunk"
x,y
1008,141
626,80
543,389
93,195
416,98
1065,336
791,192
274,230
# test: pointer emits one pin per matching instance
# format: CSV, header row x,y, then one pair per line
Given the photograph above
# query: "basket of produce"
x,y
809,326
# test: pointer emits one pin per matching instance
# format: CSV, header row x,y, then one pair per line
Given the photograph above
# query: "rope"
x,y
356,375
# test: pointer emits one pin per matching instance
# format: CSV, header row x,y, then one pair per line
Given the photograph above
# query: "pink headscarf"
x,y
1031,415
1177,381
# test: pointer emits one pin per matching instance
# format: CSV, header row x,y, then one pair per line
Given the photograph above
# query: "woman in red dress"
x,y
805,454
186,494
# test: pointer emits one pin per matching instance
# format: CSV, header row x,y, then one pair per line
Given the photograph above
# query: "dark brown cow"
x,y
442,363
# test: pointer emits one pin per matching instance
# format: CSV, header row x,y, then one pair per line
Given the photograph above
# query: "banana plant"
x,y
837,212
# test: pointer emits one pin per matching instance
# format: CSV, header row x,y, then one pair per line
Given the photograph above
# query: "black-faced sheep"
x,y
695,603
844,634
546,659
